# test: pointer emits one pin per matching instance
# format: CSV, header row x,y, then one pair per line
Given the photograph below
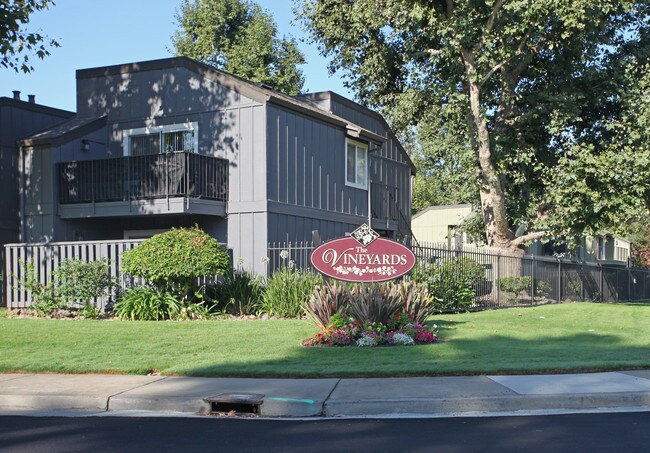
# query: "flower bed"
x,y
399,330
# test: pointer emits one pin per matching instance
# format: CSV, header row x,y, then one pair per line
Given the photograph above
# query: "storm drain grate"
x,y
235,403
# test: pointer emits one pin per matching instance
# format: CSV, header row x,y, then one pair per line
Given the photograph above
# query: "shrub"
x,y
542,287
45,300
373,303
90,311
146,303
515,285
453,282
287,290
80,281
326,300
240,293
174,260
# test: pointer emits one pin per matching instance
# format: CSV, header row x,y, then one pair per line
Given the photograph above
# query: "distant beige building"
x,y
438,224
606,249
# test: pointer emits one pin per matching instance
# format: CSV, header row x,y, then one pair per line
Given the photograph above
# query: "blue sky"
x,y
105,32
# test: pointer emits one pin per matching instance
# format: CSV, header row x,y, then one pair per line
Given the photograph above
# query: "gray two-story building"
x,y
18,119
174,142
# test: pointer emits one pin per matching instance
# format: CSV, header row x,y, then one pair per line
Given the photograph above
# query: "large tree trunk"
x,y
497,230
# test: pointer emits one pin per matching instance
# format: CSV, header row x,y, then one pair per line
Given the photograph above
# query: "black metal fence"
x,y
3,278
177,174
499,279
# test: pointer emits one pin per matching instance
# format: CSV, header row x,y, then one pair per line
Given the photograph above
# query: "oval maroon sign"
x,y
346,259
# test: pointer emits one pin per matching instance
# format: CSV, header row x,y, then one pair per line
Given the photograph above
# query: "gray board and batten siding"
x,y
18,119
146,95
390,165
285,159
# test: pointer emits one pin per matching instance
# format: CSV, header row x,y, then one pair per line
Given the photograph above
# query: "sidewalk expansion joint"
x,y
329,395
108,400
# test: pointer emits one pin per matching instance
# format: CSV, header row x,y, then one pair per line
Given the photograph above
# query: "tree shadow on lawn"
x,y
497,354
635,304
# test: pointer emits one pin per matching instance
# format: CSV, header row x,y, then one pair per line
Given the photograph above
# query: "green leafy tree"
x,y
525,81
606,185
447,172
17,44
639,234
240,37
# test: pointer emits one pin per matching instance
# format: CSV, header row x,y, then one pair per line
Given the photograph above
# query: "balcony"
x,y
171,183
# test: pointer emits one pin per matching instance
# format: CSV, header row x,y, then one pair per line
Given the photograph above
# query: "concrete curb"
x,y
280,397
41,403
289,398
494,405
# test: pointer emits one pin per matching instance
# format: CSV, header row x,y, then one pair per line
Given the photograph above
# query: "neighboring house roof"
x,y
64,132
33,107
440,208
258,93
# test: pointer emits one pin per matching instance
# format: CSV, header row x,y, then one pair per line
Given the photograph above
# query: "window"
x,y
161,139
356,165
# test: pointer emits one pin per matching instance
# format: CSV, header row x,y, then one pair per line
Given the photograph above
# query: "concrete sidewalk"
x,y
39,394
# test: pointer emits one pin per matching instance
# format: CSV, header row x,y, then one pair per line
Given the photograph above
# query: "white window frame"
x,y
194,126
363,148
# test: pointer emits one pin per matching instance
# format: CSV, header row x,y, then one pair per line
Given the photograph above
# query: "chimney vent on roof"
x,y
32,98
16,95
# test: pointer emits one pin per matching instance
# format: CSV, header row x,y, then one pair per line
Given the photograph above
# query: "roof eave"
x,y
65,137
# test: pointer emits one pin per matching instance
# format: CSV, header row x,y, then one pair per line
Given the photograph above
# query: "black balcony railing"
x,y
385,202
178,174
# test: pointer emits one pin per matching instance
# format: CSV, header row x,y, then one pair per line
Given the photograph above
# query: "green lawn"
x,y
580,337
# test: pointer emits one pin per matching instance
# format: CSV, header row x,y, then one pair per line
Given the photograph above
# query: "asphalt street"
x,y
614,432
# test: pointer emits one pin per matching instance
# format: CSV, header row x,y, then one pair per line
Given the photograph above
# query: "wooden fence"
x,y
46,258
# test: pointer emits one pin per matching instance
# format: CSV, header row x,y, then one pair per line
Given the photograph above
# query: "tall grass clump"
x,y
287,290
240,293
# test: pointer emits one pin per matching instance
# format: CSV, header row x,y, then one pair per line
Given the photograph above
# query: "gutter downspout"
x,y
21,165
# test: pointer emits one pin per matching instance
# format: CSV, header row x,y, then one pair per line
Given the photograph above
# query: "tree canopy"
x,y
17,44
519,94
240,37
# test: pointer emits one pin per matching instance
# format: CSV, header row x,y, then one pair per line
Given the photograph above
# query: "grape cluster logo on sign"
x,y
364,256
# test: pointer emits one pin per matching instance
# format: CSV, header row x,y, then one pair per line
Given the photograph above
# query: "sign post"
x,y
363,257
